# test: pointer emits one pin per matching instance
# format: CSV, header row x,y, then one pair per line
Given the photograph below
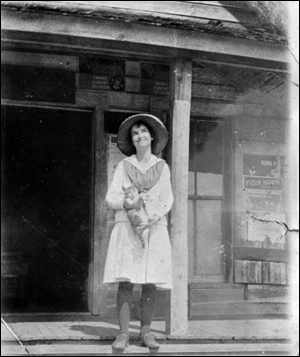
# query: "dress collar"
x,y
134,161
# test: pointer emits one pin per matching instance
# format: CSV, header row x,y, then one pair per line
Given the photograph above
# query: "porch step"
x,y
182,349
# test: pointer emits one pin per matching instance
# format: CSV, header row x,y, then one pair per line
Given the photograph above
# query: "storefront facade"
x,y
68,82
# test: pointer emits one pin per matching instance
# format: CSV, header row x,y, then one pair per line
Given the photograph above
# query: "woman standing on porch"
x,y
139,250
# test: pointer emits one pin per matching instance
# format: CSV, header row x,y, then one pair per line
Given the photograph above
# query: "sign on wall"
x,y
261,201
263,185
106,74
266,226
101,74
261,165
155,78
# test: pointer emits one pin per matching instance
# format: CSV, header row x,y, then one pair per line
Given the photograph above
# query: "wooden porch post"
x,y
181,80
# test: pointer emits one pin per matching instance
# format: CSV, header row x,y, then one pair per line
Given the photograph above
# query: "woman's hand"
x,y
154,219
135,202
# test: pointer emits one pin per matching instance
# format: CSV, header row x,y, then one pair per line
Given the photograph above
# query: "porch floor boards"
x,y
42,331
93,336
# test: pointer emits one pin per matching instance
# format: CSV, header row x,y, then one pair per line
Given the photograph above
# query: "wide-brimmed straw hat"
x,y
159,131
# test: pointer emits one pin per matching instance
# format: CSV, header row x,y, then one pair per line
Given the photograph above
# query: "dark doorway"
x,y
46,205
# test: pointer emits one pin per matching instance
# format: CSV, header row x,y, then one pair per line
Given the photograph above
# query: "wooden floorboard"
x,y
168,349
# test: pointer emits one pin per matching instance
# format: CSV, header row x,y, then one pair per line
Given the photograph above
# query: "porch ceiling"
x,y
247,78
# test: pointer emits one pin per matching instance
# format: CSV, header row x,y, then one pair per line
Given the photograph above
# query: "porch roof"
x,y
222,31
228,18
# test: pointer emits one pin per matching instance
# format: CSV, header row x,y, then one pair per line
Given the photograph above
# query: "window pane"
x,y
209,237
209,157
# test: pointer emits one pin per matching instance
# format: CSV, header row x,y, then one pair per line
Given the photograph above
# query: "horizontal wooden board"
x,y
265,293
40,60
260,254
238,308
185,348
37,84
260,272
207,295
167,8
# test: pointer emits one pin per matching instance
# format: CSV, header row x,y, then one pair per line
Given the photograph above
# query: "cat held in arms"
x,y
138,217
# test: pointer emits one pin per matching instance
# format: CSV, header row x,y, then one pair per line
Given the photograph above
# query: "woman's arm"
x,y
166,195
115,195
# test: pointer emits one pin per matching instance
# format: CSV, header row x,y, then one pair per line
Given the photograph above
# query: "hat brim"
x,y
160,134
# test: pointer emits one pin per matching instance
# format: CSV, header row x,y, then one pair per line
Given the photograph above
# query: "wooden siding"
x,y
255,272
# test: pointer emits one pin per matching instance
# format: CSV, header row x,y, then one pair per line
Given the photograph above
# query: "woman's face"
x,y
141,137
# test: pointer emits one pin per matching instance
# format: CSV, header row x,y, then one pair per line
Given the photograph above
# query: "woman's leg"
x,y
124,304
147,307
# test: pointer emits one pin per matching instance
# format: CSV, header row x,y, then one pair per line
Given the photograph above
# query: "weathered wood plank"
x,y
264,293
174,9
247,272
238,308
169,349
254,254
181,81
92,99
278,273
132,101
207,295
40,60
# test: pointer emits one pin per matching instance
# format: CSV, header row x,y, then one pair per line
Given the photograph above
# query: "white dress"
x,y
126,259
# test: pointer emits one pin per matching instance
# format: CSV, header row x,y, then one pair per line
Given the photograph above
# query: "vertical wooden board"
x,y
191,238
265,272
247,272
278,273
239,213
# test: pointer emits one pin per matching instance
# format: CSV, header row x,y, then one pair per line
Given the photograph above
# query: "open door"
x,y
46,208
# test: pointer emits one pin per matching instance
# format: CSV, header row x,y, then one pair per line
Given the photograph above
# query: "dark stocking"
x,y
147,306
124,304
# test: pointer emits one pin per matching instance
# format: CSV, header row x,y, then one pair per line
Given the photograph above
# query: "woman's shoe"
x,y
120,343
147,340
